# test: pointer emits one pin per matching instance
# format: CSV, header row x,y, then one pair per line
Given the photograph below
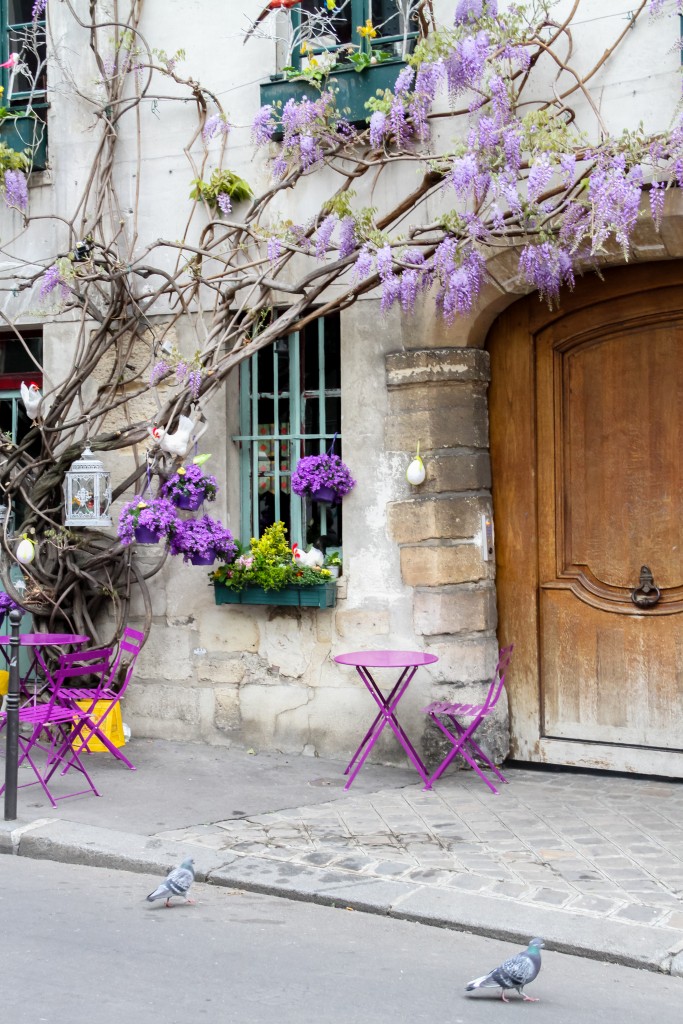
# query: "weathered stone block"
x,y
164,712
227,628
441,415
459,471
361,625
226,716
439,565
441,364
454,611
289,643
463,662
219,670
166,655
427,518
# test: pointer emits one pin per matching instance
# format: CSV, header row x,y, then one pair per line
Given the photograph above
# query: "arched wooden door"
x,y
586,408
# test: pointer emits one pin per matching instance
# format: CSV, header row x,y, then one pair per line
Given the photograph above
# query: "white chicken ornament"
x,y
309,558
32,397
180,441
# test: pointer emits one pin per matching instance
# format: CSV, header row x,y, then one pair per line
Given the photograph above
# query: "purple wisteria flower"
x,y
155,514
378,128
404,81
159,371
16,190
347,237
194,383
274,248
540,173
217,124
657,196
314,472
461,271
473,10
201,538
263,126
181,371
614,194
52,278
547,267
466,63
38,9
191,483
324,236
224,203
364,264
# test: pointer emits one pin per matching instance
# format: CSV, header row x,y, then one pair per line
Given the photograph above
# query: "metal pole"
x,y
12,707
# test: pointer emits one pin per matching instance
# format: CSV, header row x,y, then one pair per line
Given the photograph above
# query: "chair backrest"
x,y
85,669
130,646
498,681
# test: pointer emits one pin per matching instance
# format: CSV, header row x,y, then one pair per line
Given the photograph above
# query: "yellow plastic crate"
x,y
112,726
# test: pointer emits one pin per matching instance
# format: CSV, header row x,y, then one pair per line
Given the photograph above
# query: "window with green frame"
x,y
19,360
20,34
345,21
290,406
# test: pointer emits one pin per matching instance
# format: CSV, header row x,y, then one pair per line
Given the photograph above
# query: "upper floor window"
x,y
395,35
290,406
24,84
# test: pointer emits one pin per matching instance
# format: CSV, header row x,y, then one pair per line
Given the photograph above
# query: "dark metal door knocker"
x,y
646,594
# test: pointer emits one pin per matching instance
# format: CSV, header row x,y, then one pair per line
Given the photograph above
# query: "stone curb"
x,y
629,945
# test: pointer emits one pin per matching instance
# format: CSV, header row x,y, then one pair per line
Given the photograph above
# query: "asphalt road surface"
x,y
83,945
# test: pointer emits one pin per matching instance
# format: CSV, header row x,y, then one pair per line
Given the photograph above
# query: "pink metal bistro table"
x,y
408,662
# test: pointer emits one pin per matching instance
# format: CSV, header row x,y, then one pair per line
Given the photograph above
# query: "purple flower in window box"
x,y
6,605
325,477
200,541
155,515
189,487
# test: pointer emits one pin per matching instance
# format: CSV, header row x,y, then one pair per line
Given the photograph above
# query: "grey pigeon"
x,y
176,883
516,972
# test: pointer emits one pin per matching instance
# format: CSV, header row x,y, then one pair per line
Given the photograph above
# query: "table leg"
x,y
386,716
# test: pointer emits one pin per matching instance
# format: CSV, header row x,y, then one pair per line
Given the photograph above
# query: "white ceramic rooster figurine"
x,y
32,397
310,558
180,442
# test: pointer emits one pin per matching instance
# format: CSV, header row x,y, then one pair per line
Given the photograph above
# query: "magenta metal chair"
x,y
462,736
95,714
54,728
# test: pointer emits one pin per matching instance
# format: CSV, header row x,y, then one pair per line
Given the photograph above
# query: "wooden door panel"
x,y
608,679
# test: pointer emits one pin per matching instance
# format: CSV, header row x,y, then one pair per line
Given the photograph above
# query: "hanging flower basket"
x,y
146,521
189,487
208,559
324,477
143,535
325,496
201,541
186,503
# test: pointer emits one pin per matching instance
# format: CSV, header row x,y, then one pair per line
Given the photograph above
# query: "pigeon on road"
x,y
176,883
516,972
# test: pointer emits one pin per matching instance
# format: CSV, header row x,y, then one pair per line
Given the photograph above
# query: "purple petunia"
x,y
156,514
314,472
202,537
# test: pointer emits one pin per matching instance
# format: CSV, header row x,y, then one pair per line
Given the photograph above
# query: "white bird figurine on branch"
x,y
179,442
32,398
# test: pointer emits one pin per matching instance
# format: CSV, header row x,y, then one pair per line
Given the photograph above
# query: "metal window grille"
x,y
385,16
290,406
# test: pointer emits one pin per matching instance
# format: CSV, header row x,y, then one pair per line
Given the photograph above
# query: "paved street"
x,y
594,863
82,943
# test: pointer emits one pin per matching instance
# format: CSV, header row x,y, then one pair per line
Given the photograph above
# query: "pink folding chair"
x,y
53,727
95,714
462,736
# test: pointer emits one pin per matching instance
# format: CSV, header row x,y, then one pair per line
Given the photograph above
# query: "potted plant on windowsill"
x,y
324,477
266,573
146,521
333,563
202,541
189,487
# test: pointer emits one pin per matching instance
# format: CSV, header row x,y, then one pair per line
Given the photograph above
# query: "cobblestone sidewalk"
x,y
602,848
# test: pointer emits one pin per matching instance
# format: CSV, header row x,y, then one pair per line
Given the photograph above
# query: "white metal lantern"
x,y
87,492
